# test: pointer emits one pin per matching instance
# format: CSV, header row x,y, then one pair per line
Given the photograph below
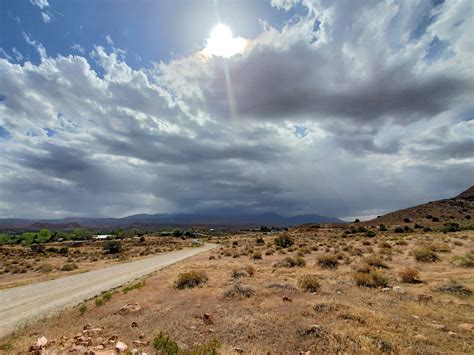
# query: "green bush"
x,y
425,254
370,234
399,230
82,308
165,345
284,241
466,260
112,247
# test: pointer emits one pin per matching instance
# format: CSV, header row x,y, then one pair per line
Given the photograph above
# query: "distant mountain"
x,y
222,219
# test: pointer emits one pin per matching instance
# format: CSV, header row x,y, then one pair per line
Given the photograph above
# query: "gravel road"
x,y
26,303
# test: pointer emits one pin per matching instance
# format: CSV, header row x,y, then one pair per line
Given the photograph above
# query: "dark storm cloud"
x,y
384,122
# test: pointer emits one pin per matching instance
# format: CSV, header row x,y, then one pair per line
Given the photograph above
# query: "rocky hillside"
x,y
459,209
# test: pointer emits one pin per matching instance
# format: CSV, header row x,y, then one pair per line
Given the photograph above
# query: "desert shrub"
x,y
440,247
406,220
328,261
284,241
383,228
310,283
366,242
466,260
165,345
112,247
68,267
259,241
401,242
269,252
82,308
371,279
37,248
435,219
238,290
425,254
399,230
248,270
409,275
99,301
427,229
370,234
455,288
417,226
363,267
191,279
451,227
291,262
376,262
385,245
257,255
63,250
281,286
45,268
227,252
134,286
107,296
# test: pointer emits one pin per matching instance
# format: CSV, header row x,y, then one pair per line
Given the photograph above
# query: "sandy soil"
x,y
21,304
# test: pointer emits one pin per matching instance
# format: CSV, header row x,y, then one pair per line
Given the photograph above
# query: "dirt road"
x,y
25,303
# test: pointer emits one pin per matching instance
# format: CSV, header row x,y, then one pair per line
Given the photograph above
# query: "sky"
x,y
340,108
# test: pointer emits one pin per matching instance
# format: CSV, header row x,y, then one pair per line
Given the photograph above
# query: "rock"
x,y
113,339
129,308
420,337
87,326
99,347
140,342
39,344
399,290
134,325
120,347
424,298
453,334
386,289
238,350
415,316
466,326
287,299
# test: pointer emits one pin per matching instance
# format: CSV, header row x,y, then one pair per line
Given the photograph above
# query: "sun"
x,y
222,43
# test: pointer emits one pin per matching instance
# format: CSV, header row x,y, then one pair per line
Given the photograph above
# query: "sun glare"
x,y
222,43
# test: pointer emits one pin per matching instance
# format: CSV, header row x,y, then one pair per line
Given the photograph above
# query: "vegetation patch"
x,y
310,283
191,279
371,279
328,261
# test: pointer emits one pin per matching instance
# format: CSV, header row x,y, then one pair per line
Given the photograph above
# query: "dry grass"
x,y
251,305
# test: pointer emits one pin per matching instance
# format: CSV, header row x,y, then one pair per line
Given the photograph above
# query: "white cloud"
x,y
40,3
46,17
339,113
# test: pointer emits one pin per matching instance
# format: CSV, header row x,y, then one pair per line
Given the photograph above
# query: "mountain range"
x,y
269,219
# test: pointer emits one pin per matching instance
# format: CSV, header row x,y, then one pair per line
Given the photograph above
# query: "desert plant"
x,y
45,268
191,279
99,301
284,241
68,267
112,247
370,234
383,228
371,279
399,230
455,288
425,254
82,308
328,261
238,290
409,275
466,260
134,286
257,255
376,262
310,283
165,345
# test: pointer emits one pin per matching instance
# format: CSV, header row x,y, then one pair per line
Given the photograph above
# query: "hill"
x,y
459,209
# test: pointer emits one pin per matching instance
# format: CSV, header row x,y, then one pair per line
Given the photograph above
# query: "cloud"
x,y
46,17
342,112
42,4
